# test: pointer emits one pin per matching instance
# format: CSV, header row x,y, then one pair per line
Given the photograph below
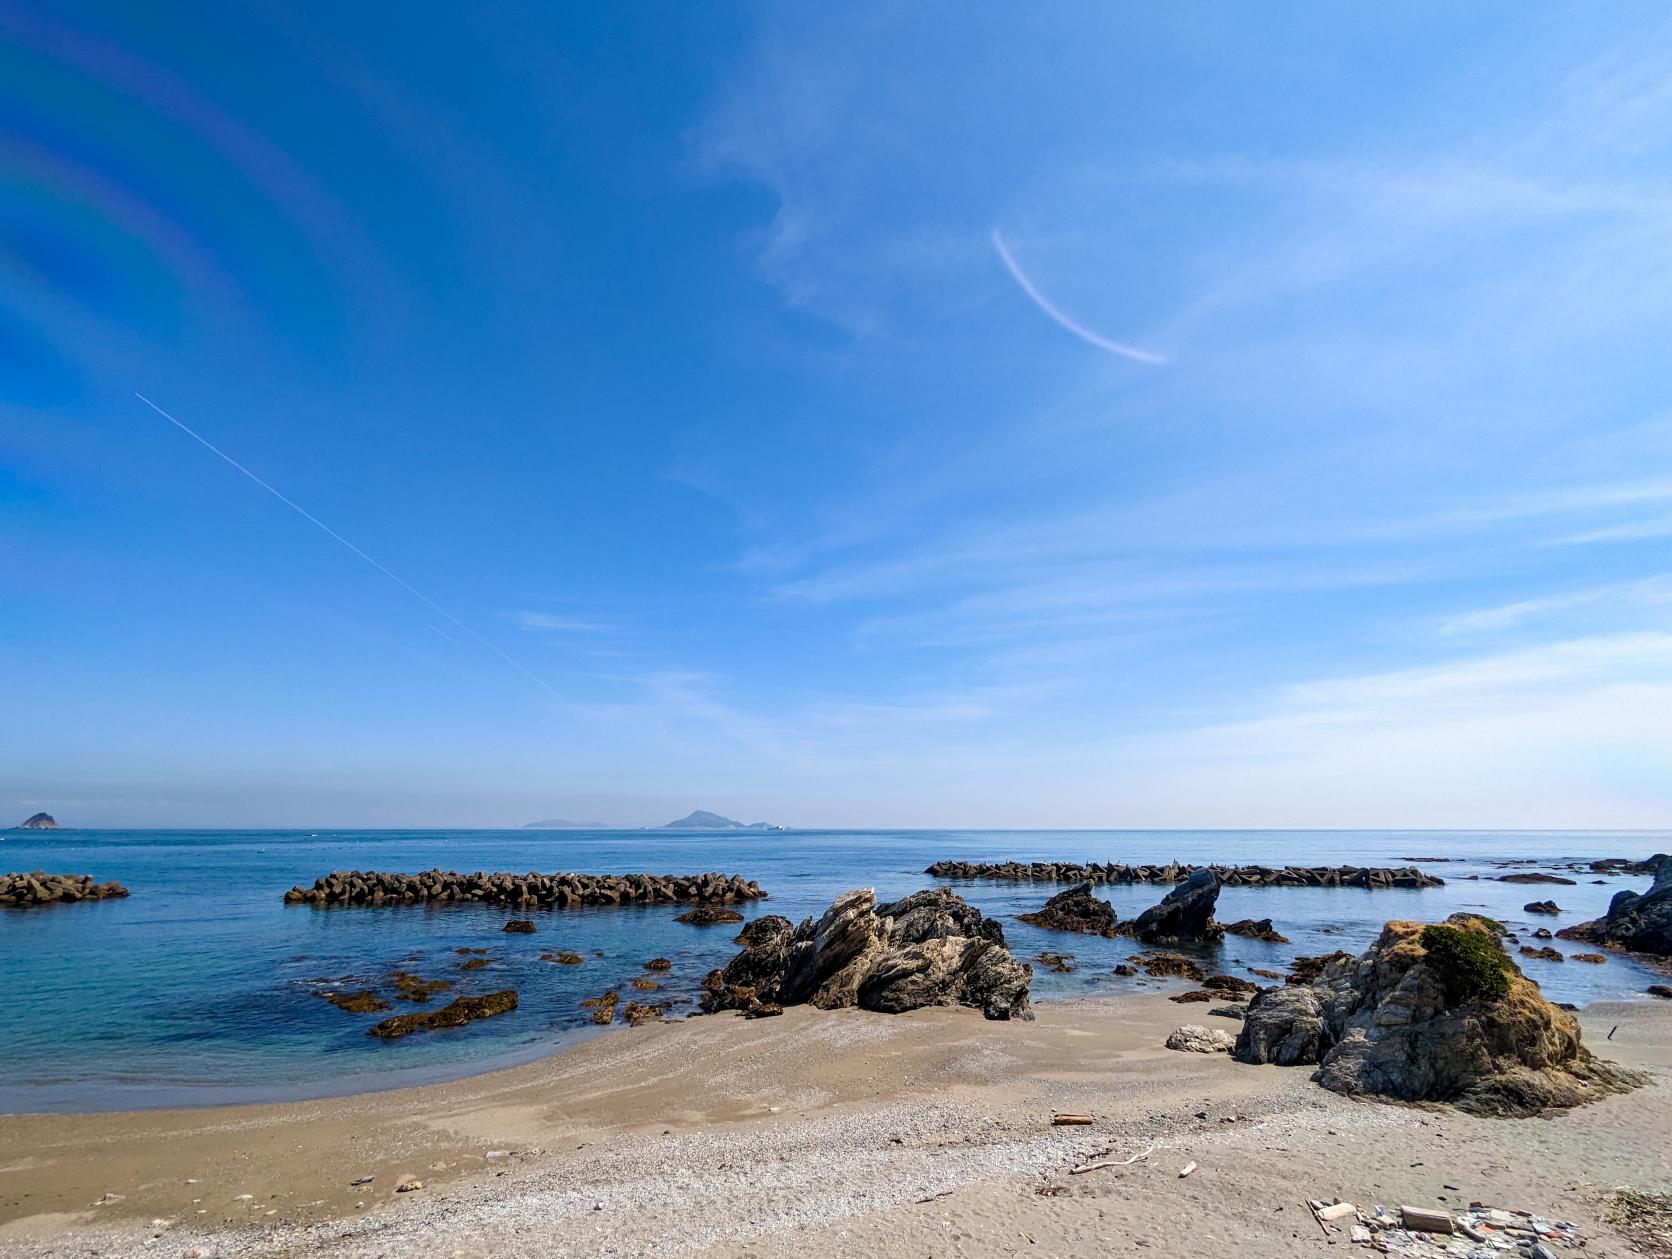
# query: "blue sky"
x,y
1085,415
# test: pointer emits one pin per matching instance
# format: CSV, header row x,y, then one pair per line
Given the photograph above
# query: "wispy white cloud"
x,y
551,621
1062,319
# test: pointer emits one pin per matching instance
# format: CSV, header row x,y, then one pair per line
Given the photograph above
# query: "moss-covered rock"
x,y
1469,964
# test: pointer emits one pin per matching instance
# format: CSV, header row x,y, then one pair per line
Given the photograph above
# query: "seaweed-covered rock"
x,y
1256,929
455,1013
1075,910
1184,916
1431,1014
930,948
1171,966
708,916
519,926
1641,922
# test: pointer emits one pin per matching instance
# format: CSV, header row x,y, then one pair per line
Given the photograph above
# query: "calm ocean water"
x,y
201,987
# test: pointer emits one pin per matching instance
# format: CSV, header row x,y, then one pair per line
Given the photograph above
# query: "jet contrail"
x,y
1044,303
326,529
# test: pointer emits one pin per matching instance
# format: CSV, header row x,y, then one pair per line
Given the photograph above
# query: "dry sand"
x,y
925,1134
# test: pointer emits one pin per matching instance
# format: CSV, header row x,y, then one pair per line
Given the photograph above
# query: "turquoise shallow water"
x,y
200,988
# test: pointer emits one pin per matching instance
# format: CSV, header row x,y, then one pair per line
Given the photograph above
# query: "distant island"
x,y
40,822
703,820
564,824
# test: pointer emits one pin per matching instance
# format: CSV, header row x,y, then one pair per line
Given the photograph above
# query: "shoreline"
x,y
819,1128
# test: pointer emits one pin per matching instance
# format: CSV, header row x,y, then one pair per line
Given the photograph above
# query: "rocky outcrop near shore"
x,y
39,822
1431,1014
550,891
455,1013
1184,916
929,949
1640,922
1075,910
26,891
1370,877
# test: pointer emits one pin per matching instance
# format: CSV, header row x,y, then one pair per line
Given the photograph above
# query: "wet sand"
x,y
843,1133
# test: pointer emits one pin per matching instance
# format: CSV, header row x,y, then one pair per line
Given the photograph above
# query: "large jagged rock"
x,y
1075,910
1431,1015
1184,916
39,822
931,948
1641,922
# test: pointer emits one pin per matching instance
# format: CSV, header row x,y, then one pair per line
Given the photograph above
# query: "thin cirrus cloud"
x,y
1062,320
547,621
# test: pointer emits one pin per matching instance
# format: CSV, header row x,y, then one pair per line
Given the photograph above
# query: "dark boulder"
x,y
519,926
1641,923
1541,907
1256,929
708,916
1075,910
1184,916
455,1013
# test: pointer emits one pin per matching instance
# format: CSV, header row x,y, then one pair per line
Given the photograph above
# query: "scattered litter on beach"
x,y
1481,1232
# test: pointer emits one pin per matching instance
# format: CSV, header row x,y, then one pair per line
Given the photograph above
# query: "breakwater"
x,y
555,891
1231,876
25,891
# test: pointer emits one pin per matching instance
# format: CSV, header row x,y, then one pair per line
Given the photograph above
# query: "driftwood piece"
x,y
1083,1168
1061,1120
1187,1169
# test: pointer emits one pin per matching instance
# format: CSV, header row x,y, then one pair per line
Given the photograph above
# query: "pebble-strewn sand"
x,y
925,1134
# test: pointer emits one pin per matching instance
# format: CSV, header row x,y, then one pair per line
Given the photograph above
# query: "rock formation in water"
x,y
929,949
39,822
25,891
1075,910
1370,878
1542,907
703,820
371,887
1431,1014
455,1013
709,916
1184,916
1256,929
1641,922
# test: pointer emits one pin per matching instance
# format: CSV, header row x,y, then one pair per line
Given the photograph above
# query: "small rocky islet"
x,y
553,891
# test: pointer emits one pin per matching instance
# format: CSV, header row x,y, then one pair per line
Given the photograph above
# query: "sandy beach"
x,y
828,1132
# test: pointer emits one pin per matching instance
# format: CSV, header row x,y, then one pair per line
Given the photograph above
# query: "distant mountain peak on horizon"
x,y
563,824
703,820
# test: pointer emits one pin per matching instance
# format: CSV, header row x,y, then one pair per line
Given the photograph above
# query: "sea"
x,y
203,987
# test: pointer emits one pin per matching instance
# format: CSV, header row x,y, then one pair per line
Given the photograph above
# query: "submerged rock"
x,y
1639,922
1535,877
1170,966
1075,910
1544,954
519,926
455,1013
708,916
363,1002
1256,929
928,949
1431,1014
1194,1039
1184,916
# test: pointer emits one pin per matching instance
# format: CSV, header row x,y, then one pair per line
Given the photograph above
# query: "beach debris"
x,y
408,1184
1422,1220
373,887
928,949
108,1198
1256,929
1335,1211
455,1013
519,926
708,916
1187,1169
1062,1119
1194,1039
1075,910
245,1197
1098,1166
1369,878
1432,1013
